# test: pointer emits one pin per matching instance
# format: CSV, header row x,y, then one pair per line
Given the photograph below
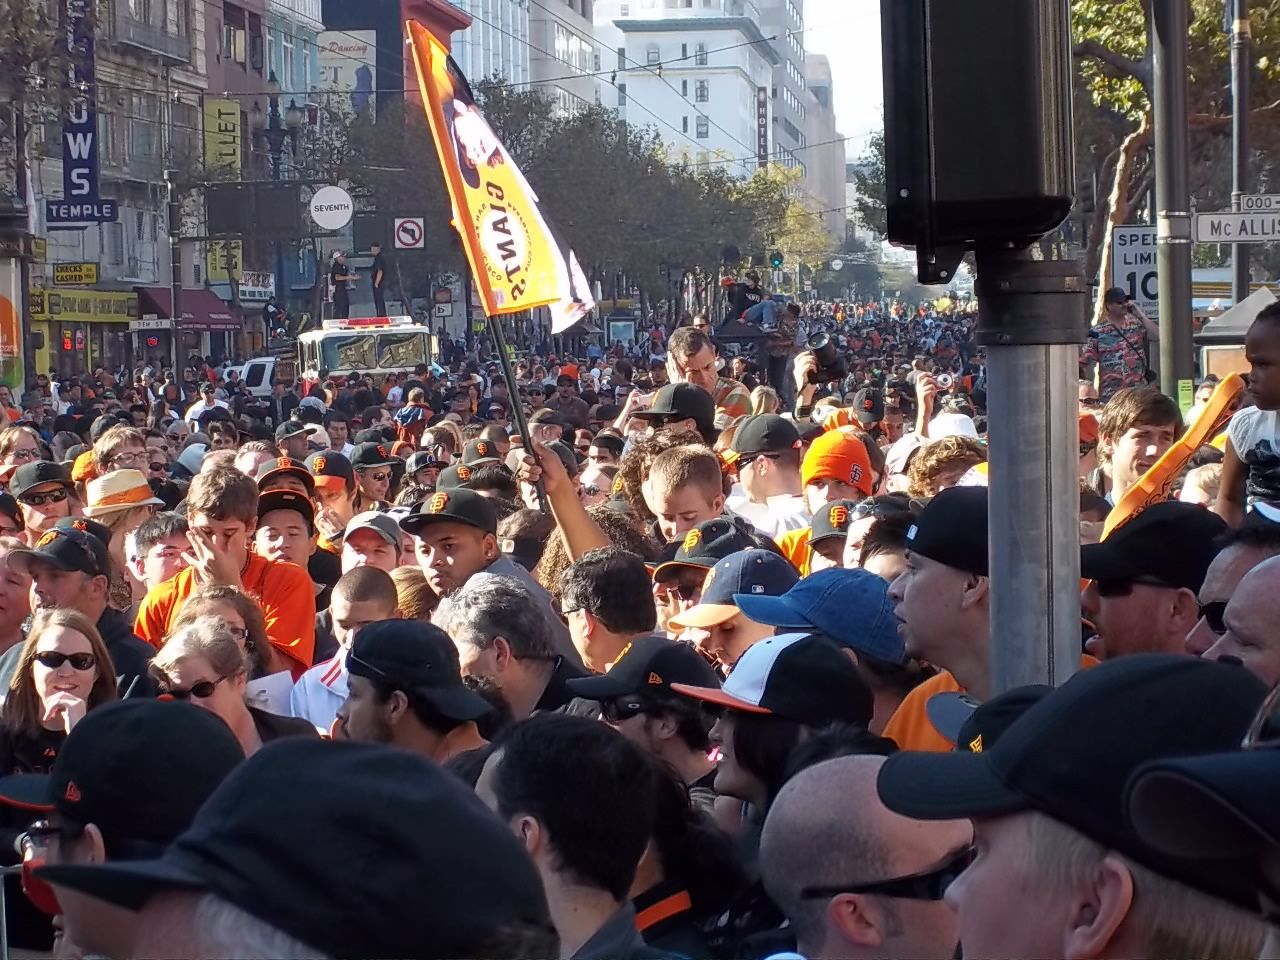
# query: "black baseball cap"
x,y
287,500
682,401
1071,755
290,428
1115,295
370,435
85,525
1172,542
705,545
331,470
453,477
421,459
952,529
367,455
567,457
138,769
648,666
37,472
755,573
458,505
479,452
1214,806
69,550
419,658
278,841
282,466
765,433
801,677
9,507
609,441
832,520
975,726
868,406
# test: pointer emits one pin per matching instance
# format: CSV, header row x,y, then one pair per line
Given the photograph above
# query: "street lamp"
x,y
274,128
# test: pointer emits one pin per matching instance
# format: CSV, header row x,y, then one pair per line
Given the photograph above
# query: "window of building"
x,y
702,128
684,51
113,242
652,55
684,124
700,55
622,94
702,91
286,62
272,43
684,88
305,46
625,11
140,10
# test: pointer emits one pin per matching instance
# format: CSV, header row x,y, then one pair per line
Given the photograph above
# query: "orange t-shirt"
x,y
794,545
910,728
283,590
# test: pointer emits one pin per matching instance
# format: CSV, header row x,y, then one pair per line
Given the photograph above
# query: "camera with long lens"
x,y
831,366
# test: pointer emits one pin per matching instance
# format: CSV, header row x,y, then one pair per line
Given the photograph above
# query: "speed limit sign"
x,y
1133,266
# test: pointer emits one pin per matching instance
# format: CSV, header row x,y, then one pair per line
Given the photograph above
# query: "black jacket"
x,y
129,655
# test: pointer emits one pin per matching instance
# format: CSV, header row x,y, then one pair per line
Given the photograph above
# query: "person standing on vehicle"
x,y
338,279
272,318
377,277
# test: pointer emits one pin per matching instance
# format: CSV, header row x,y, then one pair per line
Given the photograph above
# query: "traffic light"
x,y
775,260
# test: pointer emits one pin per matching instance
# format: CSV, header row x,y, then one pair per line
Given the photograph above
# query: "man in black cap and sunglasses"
x,y
1145,579
1238,552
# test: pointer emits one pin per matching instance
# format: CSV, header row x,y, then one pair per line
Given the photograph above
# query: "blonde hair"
x,y
113,441
415,599
765,400
1172,919
937,456
689,465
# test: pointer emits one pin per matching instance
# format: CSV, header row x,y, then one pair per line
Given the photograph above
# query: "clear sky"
x,y
848,32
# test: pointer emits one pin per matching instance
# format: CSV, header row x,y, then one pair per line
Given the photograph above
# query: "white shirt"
x,y
319,693
775,516
194,411
394,395
1254,437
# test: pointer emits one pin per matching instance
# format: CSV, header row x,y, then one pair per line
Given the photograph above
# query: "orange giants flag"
x,y
516,257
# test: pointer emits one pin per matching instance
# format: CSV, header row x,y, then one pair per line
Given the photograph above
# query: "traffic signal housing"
x,y
775,260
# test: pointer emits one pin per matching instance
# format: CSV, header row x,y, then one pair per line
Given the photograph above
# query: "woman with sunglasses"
x,y
243,618
64,671
205,664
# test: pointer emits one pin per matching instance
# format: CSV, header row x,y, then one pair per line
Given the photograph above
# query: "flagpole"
x,y
517,408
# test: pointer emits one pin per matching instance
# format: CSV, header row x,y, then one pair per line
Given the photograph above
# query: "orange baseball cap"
x,y
838,455
84,469
1088,428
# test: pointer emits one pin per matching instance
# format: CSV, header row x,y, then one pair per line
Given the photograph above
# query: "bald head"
x,y
828,827
1251,617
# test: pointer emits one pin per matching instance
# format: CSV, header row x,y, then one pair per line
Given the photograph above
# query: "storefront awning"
x,y
201,308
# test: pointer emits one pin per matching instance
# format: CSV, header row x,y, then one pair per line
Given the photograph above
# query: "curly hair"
x,y
634,466
624,530
938,457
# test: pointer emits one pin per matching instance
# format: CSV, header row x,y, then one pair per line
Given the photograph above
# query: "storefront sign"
x,y
86,306
223,260
257,287
150,322
762,126
74,273
222,135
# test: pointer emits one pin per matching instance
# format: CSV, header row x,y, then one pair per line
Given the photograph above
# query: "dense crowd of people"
x,y
702,668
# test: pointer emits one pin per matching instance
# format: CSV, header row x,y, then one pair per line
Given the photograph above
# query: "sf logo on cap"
x,y
437,502
868,404
838,516
286,462
47,539
321,463
482,448
80,525
691,539
464,473
382,451
617,483
855,473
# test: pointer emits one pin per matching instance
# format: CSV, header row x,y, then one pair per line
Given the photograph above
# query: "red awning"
x,y
201,309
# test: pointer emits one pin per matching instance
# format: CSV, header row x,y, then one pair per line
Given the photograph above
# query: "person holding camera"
x,y
1117,348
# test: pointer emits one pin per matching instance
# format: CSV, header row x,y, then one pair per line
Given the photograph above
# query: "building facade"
x,y
496,44
784,21
149,74
824,180
702,81
563,54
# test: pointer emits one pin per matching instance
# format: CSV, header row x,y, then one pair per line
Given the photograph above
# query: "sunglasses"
x,y
1123,588
158,467
40,499
622,708
379,476
25,454
685,591
53,660
930,885
1212,614
202,690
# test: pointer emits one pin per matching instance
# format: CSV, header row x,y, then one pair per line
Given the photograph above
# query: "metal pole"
x,y
1032,315
175,264
1241,42
1173,192
513,391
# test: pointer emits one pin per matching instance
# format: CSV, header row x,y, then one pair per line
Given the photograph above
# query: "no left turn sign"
x,y
411,233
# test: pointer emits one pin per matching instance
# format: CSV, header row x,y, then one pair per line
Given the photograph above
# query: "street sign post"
x,y
1133,265
410,233
1257,226
1265,202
